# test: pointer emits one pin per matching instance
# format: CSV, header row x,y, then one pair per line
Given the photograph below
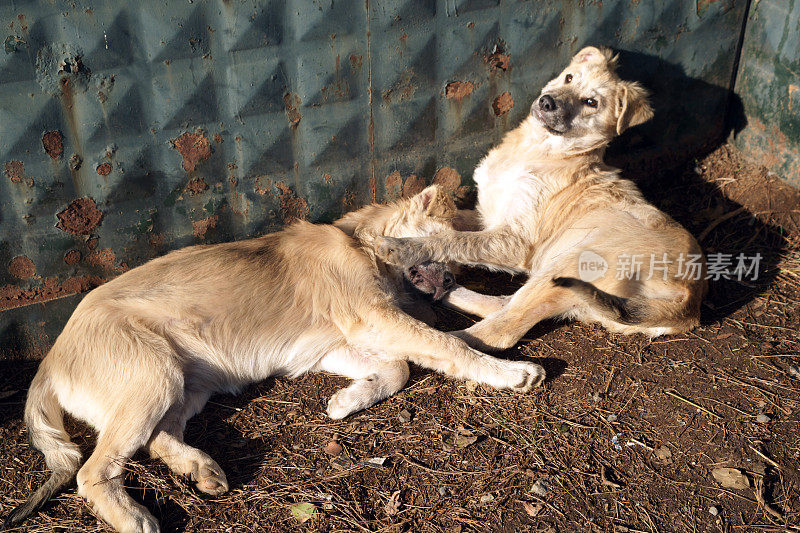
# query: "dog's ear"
x,y
435,202
595,55
632,107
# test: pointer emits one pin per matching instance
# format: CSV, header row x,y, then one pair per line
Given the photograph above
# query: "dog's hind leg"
x,y
167,444
374,379
537,300
100,479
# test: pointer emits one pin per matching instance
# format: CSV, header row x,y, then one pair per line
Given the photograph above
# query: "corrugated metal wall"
x,y
128,129
769,84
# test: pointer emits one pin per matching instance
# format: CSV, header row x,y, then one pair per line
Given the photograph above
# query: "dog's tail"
x,y
618,309
45,421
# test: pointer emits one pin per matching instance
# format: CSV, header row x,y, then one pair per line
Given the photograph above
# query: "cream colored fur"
x,y
143,353
544,197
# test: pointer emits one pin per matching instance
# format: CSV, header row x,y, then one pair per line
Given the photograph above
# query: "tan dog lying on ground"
x,y
143,353
548,206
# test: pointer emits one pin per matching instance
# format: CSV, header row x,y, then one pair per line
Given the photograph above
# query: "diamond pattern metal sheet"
x,y
129,129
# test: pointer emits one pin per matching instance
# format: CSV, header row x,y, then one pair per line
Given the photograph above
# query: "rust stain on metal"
x,y
80,217
72,257
232,174
217,138
196,186
15,170
102,258
498,59
458,90
194,147
349,200
53,143
201,227
104,169
448,179
356,61
292,206
21,267
701,6
156,241
413,185
403,89
12,296
261,188
75,162
292,103
327,178
22,22
393,185
502,104
91,242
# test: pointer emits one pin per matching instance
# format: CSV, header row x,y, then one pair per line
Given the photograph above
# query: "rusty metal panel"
x,y
769,84
129,129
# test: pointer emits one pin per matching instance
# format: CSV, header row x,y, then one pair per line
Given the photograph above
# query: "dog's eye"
x,y
568,78
591,102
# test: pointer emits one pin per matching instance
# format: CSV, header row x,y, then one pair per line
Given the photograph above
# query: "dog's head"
x,y
587,105
426,213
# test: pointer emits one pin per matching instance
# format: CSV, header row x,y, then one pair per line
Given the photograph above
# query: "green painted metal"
x,y
769,84
129,129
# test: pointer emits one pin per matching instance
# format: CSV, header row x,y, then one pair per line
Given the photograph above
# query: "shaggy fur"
x,y
143,353
547,203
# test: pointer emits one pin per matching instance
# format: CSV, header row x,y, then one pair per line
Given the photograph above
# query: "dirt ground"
x,y
624,437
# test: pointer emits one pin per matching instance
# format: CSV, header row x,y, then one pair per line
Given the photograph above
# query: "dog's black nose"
x,y
448,281
546,103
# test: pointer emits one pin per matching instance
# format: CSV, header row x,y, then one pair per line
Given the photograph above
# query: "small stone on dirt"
x,y
462,441
731,478
443,491
531,509
393,505
540,486
486,498
333,448
794,371
375,462
663,454
404,416
763,419
713,510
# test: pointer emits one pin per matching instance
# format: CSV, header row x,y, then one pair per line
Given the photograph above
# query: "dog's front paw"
x,y
528,376
209,476
402,252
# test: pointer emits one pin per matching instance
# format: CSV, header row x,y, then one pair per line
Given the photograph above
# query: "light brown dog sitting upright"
x,y
548,206
143,353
